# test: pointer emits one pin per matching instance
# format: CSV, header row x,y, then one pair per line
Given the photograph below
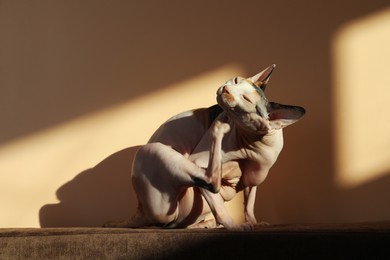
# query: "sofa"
x,y
294,241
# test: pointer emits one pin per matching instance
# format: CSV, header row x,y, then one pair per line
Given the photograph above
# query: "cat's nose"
x,y
223,90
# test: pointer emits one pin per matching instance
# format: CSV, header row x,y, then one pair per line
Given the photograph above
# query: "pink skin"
x,y
188,169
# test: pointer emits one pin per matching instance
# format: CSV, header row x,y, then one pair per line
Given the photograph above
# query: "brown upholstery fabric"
x,y
318,241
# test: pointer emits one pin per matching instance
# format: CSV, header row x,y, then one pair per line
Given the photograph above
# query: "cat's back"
x,y
183,131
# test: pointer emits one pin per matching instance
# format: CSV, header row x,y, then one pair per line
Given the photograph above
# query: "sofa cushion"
x,y
365,240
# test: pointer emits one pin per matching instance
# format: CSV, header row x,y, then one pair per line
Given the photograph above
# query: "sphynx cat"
x,y
199,159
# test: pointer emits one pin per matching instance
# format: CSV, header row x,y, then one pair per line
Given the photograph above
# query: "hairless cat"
x,y
199,159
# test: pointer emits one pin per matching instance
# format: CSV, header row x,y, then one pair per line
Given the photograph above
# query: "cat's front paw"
x,y
243,227
220,128
250,218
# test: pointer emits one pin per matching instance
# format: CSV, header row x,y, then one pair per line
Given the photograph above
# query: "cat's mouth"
x,y
225,97
228,98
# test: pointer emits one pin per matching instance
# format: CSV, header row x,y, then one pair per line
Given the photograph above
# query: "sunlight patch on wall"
x,y
362,95
33,167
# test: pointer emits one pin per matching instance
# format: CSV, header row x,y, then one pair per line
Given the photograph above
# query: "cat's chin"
x,y
229,100
226,103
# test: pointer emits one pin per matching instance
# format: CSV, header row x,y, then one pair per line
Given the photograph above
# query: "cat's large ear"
x,y
261,79
283,115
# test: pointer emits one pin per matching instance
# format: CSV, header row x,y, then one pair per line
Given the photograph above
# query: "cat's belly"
x,y
231,174
192,207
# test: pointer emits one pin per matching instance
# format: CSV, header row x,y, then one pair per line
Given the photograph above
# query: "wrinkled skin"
x,y
194,163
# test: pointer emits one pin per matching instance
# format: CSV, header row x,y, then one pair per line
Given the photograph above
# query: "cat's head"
x,y
246,104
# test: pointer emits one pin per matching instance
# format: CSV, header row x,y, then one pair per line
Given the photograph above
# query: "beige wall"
x,y
84,82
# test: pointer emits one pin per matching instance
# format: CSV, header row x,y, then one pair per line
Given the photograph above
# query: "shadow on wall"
x,y
95,196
